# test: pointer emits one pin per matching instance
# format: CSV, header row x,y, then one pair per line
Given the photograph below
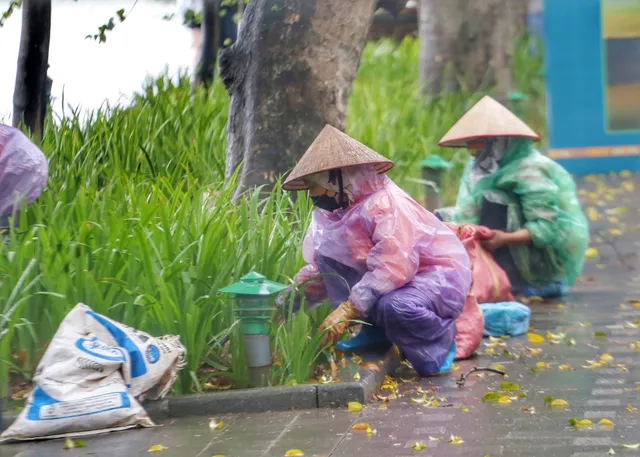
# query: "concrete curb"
x,y
304,396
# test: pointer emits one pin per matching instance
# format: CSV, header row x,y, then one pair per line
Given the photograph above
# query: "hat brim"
x,y
300,184
463,142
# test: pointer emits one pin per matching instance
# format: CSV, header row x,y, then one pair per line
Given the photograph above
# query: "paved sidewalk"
x,y
525,427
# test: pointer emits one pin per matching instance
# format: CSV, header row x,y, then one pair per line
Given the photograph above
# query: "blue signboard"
x,y
592,54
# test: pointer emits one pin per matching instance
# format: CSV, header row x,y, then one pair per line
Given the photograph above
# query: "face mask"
x,y
327,203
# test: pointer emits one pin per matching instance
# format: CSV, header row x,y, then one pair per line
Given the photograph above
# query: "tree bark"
x,y
30,93
206,67
469,42
289,74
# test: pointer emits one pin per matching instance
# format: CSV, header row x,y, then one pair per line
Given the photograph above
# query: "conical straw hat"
x,y
487,118
330,150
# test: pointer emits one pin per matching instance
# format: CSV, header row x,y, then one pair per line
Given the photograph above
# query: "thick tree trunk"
x,y
289,74
30,93
469,41
206,67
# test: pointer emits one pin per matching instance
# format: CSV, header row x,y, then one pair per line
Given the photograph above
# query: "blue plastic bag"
x,y
505,319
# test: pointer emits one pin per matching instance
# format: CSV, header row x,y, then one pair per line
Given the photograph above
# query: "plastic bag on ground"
x,y
88,379
489,284
505,319
23,170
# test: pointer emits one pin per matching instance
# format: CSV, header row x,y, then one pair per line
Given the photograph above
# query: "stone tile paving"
x,y
597,319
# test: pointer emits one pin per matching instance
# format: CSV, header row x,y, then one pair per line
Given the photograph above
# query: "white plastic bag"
x,y
89,377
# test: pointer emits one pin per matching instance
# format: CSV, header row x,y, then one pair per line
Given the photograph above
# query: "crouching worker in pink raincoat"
x,y
378,255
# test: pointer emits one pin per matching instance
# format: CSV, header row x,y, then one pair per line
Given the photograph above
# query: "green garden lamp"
x,y
433,170
254,303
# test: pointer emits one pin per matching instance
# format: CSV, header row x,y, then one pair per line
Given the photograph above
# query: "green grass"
x,y
138,223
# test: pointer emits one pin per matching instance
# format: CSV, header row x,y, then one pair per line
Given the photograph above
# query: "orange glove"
x,y
337,322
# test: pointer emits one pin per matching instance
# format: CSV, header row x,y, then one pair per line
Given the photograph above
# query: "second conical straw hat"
x,y
487,118
330,150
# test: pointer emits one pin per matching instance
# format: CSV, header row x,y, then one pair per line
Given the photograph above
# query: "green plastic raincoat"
x,y
541,197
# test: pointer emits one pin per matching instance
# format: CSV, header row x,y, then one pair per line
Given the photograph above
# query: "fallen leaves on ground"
x,y
535,338
491,397
294,453
216,424
543,366
548,400
600,334
592,365
361,426
604,421
419,446
382,407
580,422
630,408
504,399
455,440
356,377
509,386
559,403
464,409
354,407
157,448
591,253
565,367
631,446
73,444
432,438
606,357
497,366
611,452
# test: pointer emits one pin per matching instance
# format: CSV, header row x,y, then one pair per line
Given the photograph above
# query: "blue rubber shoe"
x,y
448,362
368,337
431,369
551,290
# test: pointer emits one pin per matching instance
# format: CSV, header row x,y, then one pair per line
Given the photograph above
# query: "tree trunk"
x,y
468,41
30,93
206,67
289,74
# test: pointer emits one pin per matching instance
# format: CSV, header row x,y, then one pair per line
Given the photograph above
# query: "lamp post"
x,y
254,302
433,170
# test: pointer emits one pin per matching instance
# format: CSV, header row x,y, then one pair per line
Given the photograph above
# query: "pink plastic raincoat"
x,y
413,273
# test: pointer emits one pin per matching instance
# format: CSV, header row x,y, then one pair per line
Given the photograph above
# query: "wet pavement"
x,y
598,323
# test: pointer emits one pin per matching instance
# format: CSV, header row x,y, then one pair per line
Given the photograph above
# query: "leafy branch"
x,y
15,4
101,36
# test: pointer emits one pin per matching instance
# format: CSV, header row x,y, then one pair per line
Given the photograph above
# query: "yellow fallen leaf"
x,y
561,306
631,446
505,400
630,408
361,426
535,338
606,357
382,407
489,351
605,422
565,367
555,336
157,448
615,232
592,253
419,446
215,424
371,431
533,351
543,366
593,214
354,407
580,423
431,438
611,452
592,365
455,440
356,359
73,444
559,403
356,377
455,367
294,453
420,400
638,388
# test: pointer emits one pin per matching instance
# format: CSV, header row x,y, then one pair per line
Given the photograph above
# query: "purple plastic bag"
x,y
406,271
23,170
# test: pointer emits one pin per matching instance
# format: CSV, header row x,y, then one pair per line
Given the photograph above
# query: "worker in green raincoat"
x,y
540,234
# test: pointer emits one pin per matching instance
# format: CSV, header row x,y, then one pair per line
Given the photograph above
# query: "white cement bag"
x,y
85,380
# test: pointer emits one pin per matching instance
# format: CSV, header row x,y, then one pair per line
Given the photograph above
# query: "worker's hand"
x,y
337,322
498,240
